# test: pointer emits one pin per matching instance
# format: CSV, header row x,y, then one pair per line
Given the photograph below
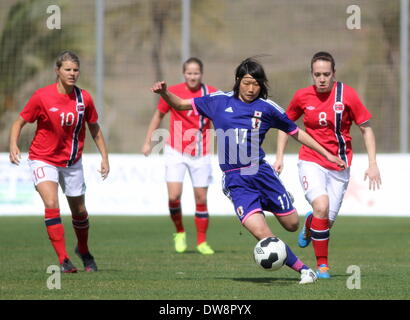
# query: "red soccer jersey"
x,y
328,118
60,134
188,132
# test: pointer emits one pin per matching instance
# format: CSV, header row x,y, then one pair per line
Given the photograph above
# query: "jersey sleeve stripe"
x,y
275,105
221,93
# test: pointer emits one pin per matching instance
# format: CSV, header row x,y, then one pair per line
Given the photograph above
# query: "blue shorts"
x,y
262,191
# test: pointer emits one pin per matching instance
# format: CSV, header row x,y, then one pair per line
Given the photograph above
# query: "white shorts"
x,y
71,179
317,180
176,164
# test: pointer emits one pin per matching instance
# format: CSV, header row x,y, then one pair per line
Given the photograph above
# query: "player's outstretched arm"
x,y
15,131
372,172
170,98
99,140
282,141
309,142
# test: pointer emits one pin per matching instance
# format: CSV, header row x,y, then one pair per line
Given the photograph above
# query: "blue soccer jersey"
x,y
248,181
241,127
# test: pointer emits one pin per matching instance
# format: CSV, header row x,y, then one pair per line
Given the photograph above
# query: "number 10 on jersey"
x,y
67,119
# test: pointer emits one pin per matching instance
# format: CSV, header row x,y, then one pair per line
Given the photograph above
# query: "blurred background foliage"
x,y
143,44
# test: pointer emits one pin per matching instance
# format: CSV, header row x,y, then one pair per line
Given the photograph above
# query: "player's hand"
x,y
159,87
105,169
278,166
340,163
15,155
146,149
373,174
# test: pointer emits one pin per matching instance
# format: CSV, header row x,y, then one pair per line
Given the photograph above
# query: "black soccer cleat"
x,y
88,261
68,267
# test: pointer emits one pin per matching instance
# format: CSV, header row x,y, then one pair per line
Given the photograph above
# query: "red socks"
x,y
201,222
55,232
201,219
319,229
176,214
81,226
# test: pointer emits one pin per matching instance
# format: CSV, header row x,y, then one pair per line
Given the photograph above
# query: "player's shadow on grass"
x,y
281,280
186,252
268,280
190,251
229,251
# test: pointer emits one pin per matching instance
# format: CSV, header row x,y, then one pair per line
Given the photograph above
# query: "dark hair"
x,y
67,56
193,60
325,56
254,68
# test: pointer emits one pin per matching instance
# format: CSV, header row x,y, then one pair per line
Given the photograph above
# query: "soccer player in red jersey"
x,y
187,148
328,108
61,111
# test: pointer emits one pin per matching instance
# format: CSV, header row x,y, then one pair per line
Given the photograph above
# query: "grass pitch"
x,y
136,260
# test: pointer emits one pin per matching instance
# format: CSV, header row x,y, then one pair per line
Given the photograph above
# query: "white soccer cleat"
x,y
307,276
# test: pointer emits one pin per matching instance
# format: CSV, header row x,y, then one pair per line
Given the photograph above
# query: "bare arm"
x,y
370,143
170,98
99,140
309,142
154,125
282,141
15,131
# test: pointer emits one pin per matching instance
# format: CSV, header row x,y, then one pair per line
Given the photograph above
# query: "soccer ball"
x,y
270,253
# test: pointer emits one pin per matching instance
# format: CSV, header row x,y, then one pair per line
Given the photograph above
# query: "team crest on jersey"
x,y
256,123
256,120
338,107
239,211
80,107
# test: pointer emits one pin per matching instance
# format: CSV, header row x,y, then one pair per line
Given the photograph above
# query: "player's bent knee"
x,y
321,214
321,211
293,227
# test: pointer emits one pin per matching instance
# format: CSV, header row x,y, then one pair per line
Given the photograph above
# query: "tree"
x,y
26,48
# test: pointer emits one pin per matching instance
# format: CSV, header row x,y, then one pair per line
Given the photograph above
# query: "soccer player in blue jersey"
x,y
241,119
